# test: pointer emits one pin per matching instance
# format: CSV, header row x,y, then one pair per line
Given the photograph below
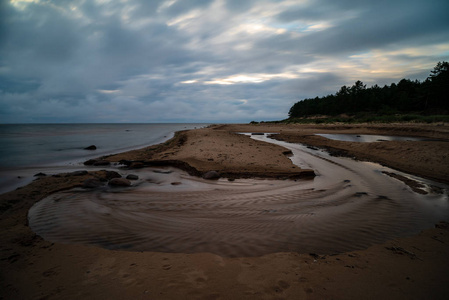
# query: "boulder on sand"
x,y
119,182
108,175
132,177
211,175
97,162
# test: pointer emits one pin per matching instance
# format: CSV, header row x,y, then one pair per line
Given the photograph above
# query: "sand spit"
x,y
231,154
407,268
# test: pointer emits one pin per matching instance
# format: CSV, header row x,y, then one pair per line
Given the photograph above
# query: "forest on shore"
x,y
406,100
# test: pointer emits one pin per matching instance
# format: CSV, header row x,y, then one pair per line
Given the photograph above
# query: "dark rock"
x,y
92,183
119,182
90,162
132,177
137,165
110,175
101,162
176,183
125,162
40,174
288,153
211,175
96,162
91,147
77,173
257,133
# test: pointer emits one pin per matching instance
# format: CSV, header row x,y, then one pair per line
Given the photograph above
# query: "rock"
x,y
125,162
40,174
211,175
92,183
77,173
96,162
90,162
257,133
136,165
288,153
91,147
101,162
132,177
110,175
119,182
176,183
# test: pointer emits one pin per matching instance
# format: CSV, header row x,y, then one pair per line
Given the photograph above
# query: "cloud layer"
x,y
202,60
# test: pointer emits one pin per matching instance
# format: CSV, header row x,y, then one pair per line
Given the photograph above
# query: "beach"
x,y
407,267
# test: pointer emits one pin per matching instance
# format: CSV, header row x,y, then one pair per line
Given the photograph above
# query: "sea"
x,y
29,148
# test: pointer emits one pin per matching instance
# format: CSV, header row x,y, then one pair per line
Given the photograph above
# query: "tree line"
x,y
428,97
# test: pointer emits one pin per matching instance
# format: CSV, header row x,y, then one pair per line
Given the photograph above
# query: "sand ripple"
x,y
351,205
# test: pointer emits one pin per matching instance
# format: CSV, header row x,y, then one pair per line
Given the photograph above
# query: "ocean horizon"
x,y
26,149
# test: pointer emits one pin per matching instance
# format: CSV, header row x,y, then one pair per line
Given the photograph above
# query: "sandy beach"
x,y
409,267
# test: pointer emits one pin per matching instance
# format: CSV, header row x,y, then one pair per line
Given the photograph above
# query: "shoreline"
x,y
411,267
426,159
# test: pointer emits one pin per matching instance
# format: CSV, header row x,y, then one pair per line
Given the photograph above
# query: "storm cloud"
x,y
204,60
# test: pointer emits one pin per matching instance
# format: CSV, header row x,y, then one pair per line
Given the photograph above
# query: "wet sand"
x,y
428,159
405,268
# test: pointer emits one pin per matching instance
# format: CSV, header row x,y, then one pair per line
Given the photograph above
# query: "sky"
x,y
141,61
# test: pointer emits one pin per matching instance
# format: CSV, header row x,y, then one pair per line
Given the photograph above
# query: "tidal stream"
x,y
349,205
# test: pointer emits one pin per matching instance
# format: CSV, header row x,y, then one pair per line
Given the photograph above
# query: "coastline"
x,y
412,267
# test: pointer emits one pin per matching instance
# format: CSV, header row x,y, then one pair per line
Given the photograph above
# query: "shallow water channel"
x,y
368,138
349,205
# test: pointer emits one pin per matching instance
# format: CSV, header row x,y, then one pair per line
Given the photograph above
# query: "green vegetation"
x,y
406,101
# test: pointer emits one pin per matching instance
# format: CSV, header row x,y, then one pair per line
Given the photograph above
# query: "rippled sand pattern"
x,y
351,205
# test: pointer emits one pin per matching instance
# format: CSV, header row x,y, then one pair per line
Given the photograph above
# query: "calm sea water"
x,y
27,148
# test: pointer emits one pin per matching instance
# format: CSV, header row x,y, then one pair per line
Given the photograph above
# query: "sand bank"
x,y
406,268
428,159
231,154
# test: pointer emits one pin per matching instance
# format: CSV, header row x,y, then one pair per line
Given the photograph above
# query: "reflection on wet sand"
x,y
369,138
349,205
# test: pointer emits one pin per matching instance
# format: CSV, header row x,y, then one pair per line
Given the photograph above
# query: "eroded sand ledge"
x,y
408,268
231,154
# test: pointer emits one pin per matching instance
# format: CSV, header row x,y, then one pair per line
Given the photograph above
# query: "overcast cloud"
x,y
204,60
